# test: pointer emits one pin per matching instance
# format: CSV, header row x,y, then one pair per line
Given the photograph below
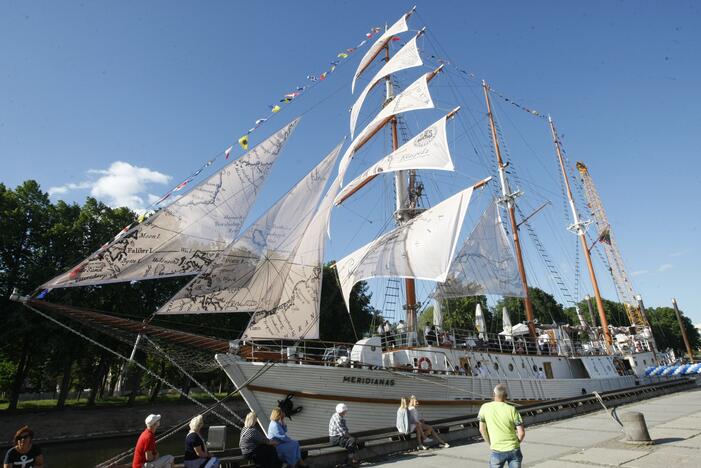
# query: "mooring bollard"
x,y
635,428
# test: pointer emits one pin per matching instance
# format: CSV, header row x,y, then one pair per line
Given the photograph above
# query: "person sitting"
x,y
405,424
339,435
287,448
145,451
24,453
255,446
196,453
422,426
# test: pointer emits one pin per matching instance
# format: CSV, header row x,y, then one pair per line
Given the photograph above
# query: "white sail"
x,y
249,275
416,96
397,28
485,264
296,316
421,248
185,236
407,57
427,150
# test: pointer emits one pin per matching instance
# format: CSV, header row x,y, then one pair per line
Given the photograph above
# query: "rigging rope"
x,y
126,359
189,376
177,427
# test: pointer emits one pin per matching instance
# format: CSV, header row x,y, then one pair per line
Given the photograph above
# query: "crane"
x,y
624,288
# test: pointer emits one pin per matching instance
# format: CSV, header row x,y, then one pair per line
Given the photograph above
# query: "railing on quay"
x,y
383,441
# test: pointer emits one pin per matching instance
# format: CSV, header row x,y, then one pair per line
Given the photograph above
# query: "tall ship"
x,y
272,268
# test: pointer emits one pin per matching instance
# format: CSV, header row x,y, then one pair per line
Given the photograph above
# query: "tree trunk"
x,y
65,381
96,380
20,374
157,388
134,379
185,388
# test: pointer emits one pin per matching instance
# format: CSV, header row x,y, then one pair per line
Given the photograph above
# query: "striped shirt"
x,y
337,426
251,437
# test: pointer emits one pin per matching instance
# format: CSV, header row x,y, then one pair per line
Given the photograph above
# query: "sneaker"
x,y
428,440
445,445
422,447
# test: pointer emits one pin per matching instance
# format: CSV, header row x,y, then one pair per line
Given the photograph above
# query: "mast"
x,y
508,199
402,202
579,227
683,330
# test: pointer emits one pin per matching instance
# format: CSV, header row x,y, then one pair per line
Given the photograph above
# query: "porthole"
x,y
523,364
511,367
535,368
496,366
644,361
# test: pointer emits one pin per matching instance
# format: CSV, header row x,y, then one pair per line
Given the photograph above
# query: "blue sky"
x,y
163,86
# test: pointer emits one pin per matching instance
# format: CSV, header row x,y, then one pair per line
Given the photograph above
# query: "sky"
x,y
122,100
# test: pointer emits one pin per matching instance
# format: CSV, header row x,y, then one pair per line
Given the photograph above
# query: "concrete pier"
x,y
595,439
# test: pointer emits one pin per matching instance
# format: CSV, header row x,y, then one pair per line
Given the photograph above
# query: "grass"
x,y
109,401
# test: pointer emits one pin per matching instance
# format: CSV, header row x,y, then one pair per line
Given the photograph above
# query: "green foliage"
x,y
665,329
334,321
426,317
460,312
545,308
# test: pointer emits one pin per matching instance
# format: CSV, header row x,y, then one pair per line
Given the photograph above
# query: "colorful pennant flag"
x,y
605,236
342,55
275,108
227,152
243,141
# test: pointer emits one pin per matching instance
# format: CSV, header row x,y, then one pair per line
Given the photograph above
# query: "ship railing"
x,y
339,353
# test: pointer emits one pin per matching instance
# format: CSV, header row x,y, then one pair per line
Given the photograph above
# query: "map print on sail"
x,y
248,276
407,57
485,264
297,314
397,28
421,248
416,96
185,236
427,150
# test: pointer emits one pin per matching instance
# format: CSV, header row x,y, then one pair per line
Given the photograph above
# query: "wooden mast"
x,y
508,198
579,228
402,197
683,330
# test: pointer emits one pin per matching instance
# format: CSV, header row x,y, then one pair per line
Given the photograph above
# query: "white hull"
x,y
372,395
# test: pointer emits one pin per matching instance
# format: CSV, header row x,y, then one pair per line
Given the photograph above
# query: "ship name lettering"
x,y
368,381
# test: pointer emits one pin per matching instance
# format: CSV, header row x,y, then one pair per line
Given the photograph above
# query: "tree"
x,y
460,312
545,308
665,329
334,322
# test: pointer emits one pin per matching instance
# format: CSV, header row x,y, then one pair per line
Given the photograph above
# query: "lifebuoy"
x,y
427,362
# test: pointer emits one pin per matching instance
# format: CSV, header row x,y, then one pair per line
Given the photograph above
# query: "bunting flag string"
x,y
313,78
491,90
243,141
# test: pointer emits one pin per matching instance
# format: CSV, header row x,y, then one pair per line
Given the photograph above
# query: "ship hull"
x,y
373,395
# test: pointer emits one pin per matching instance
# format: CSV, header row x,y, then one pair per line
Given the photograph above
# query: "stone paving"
x,y
674,422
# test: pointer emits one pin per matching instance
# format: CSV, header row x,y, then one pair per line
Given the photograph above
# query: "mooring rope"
x,y
192,378
117,458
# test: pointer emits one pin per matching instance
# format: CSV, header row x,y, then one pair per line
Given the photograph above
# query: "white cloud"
x,y
639,272
665,267
678,254
61,189
122,184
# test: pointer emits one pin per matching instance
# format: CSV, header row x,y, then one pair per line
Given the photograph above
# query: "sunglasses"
x,y
22,437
